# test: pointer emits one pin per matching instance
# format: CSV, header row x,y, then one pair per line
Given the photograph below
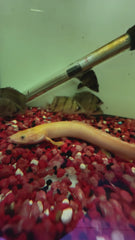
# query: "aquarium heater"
x,y
89,61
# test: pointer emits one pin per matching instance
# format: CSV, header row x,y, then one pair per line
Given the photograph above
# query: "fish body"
x,y
66,105
11,102
83,102
75,129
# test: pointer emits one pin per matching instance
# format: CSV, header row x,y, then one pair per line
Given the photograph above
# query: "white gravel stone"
x,y
78,154
100,238
105,160
67,215
117,235
15,127
133,170
46,212
30,202
14,165
40,206
71,158
34,161
65,201
19,172
14,121
52,207
82,166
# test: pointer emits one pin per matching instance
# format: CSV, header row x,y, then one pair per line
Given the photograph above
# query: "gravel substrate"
x,y
76,191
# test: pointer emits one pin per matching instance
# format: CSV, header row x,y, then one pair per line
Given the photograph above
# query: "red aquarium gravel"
x,y
76,191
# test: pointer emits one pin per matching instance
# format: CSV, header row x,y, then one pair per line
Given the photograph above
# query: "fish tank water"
x,y
80,189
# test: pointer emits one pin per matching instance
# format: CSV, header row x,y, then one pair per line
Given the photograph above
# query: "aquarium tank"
x,y
67,120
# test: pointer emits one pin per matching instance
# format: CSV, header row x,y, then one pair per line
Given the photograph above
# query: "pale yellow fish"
x,y
74,129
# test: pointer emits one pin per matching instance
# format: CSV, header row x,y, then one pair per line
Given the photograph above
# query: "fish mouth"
x,y
11,139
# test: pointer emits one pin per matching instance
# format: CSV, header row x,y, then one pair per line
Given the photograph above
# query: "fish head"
x,y
27,136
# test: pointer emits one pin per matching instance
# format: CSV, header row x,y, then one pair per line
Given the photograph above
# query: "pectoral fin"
x,y
58,144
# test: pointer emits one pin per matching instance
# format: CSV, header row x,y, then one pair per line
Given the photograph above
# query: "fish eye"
x,y
78,108
22,137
